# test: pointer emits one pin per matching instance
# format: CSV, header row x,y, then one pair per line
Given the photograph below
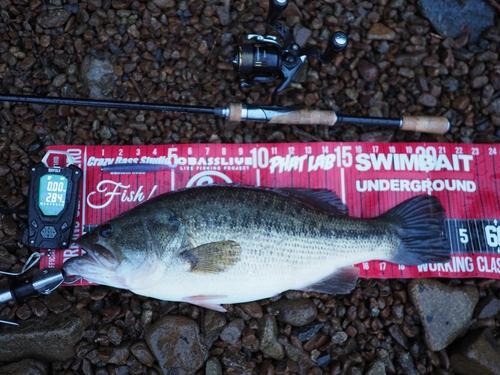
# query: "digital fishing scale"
x,y
52,201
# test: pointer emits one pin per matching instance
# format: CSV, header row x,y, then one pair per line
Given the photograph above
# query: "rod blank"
x,y
243,112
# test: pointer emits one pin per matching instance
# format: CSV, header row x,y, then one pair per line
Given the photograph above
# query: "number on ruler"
x,y
464,236
492,234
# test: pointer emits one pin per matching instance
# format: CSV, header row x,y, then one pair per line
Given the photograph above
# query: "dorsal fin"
x,y
323,199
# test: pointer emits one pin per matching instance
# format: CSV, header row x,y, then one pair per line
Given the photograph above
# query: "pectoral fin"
x,y
213,257
343,281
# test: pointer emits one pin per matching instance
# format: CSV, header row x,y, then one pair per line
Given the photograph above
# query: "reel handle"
x,y
276,7
336,44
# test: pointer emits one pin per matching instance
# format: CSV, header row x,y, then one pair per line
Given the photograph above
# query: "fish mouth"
x,y
91,250
96,260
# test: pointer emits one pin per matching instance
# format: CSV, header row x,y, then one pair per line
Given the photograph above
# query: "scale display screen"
x,y
52,194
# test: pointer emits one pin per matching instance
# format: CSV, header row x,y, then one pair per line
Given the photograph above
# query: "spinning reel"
x,y
266,60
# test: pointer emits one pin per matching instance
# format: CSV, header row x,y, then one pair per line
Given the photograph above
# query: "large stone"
x,y
176,344
476,353
449,16
25,366
49,338
433,299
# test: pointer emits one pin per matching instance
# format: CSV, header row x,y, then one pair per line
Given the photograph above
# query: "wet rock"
x,y
461,103
441,324
297,354
301,35
213,367
50,338
494,107
27,63
411,60
9,226
141,351
250,309
164,4
376,368
115,335
297,312
116,355
98,75
427,100
476,15
176,344
405,360
339,337
477,353
399,336
493,34
232,332
268,335
53,18
56,303
451,84
26,366
380,32
214,324
487,307
224,15
234,359
306,332
367,70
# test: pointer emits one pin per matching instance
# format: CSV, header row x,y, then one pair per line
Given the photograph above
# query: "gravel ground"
x,y
180,52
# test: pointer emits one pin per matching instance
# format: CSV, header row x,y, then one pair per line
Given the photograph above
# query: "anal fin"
x,y
204,301
342,281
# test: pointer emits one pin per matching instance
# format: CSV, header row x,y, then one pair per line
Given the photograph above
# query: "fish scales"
x,y
215,215
229,244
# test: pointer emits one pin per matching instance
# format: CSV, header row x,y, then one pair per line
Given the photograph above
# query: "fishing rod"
x,y
242,112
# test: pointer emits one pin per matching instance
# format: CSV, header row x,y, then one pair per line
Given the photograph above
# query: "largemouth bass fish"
x,y
217,245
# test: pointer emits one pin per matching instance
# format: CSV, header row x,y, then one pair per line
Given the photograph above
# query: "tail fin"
x,y
420,224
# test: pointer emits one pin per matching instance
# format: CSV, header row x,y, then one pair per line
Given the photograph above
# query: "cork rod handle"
x,y
294,117
426,124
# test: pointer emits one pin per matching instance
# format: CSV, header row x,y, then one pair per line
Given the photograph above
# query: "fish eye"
x,y
105,230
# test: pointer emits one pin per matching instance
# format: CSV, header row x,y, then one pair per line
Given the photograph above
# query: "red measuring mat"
x,y
370,178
